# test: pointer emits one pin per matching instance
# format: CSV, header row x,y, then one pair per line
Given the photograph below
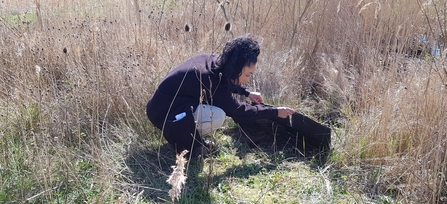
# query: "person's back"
x,y
180,87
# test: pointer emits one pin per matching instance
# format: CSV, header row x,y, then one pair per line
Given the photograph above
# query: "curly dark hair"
x,y
237,53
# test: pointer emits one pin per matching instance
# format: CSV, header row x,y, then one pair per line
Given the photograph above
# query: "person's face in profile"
x,y
246,73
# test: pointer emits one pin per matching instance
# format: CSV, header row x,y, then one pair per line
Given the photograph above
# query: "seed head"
x,y
37,67
227,26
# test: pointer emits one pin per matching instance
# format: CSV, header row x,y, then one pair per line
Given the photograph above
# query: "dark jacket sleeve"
x,y
238,89
233,108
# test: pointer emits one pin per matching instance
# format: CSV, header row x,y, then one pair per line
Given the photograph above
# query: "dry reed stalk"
x,y
356,63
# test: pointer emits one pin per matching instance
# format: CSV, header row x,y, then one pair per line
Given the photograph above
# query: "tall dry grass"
x,y
348,63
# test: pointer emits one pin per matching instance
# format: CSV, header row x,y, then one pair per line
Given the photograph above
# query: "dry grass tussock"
x,y
76,75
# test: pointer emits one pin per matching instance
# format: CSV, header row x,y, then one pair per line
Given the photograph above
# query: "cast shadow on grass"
x,y
277,142
149,171
150,168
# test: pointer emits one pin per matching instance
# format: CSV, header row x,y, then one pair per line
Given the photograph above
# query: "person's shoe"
x,y
209,144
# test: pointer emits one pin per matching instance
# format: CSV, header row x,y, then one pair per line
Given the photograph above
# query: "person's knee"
x,y
218,115
207,113
209,118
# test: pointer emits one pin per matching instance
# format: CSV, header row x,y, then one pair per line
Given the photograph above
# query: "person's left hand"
x,y
255,97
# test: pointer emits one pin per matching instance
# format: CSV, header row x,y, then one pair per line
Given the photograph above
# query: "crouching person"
x,y
194,98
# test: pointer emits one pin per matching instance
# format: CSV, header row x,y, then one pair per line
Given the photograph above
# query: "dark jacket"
x,y
180,91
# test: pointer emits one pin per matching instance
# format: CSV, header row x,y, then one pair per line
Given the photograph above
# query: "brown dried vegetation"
x,y
356,65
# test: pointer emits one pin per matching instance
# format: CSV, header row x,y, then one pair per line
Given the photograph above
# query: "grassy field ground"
x,y
76,75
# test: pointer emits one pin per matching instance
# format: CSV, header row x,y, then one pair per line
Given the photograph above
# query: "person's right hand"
x,y
255,97
284,112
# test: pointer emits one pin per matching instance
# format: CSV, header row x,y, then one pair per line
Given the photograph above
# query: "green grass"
x,y
15,19
26,176
237,173
240,170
